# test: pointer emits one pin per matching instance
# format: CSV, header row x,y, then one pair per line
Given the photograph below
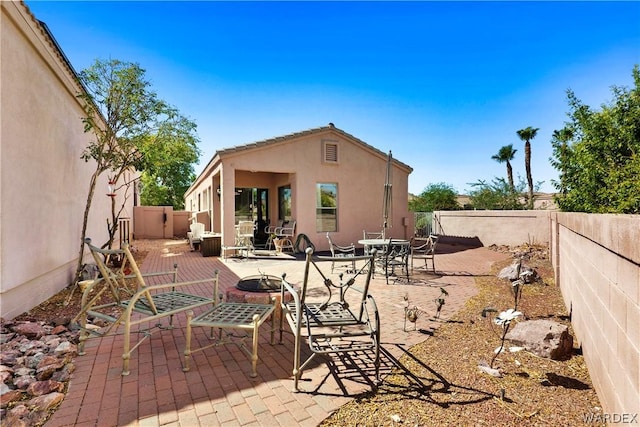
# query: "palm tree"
x,y
526,135
505,155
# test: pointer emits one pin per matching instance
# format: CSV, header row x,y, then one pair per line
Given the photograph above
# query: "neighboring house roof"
x,y
279,139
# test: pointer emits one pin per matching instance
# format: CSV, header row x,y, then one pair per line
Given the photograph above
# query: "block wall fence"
x,y
596,260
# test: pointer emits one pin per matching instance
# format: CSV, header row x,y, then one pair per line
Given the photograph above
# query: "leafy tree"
x,y
598,154
497,195
526,135
121,112
505,155
168,158
435,197
560,141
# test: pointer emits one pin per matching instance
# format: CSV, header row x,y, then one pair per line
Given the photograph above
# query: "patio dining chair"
x,y
341,319
368,235
245,234
395,257
140,302
425,249
270,231
338,251
286,233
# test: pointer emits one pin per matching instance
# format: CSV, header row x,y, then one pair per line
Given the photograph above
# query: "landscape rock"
x,y
40,388
510,272
544,338
60,329
65,348
9,397
35,363
6,337
24,381
30,330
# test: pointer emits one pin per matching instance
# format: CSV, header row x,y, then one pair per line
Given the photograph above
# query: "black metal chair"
x,y
329,325
395,257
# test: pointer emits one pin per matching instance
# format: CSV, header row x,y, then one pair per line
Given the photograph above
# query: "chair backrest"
x,y
372,234
331,244
116,279
346,279
289,229
245,228
271,228
422,245
197,230
397,249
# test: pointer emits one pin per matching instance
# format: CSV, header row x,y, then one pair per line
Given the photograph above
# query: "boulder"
x,y
544,338
510,272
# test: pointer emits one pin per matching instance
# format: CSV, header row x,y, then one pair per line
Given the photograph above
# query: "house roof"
x,y
279,139
329,127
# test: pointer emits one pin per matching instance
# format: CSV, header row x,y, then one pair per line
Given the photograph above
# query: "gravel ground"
x,y
440,383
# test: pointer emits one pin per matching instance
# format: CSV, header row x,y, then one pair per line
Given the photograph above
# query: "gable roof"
x,y
275,140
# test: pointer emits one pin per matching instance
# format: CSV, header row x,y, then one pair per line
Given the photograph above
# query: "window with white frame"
x,y
326,207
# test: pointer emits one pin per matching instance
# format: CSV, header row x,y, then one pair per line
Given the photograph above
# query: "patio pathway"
x,y
217,390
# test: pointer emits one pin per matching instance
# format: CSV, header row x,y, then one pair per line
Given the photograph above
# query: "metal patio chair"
x,y
329,325
394,261
338,251
425,249
122,296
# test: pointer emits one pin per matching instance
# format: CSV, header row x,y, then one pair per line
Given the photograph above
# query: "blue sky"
x,y
443,85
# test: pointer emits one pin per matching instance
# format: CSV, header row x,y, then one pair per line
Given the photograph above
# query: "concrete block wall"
x,y
495,227
596,259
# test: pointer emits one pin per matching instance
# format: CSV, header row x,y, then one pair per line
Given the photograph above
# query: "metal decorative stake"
x,y
410,314
440,302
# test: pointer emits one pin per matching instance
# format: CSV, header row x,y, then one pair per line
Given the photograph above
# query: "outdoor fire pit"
x,y
261,283
258,289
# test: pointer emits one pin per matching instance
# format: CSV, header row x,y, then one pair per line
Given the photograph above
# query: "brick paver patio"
x,y
218,390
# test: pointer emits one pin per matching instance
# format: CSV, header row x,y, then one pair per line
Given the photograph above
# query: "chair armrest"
x,y
296,318
370,310
284,231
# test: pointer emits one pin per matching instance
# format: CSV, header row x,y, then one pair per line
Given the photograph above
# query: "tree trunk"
x,y
527,165
87,208
510,177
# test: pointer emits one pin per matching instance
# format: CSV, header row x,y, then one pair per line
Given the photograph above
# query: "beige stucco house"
x,y
324,178
43,180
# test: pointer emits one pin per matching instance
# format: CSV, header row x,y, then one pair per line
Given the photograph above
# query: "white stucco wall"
x,y
43,180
